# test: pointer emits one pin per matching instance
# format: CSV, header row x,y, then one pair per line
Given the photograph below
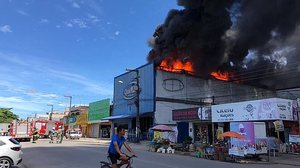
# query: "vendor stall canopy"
x,y
162,128
232,134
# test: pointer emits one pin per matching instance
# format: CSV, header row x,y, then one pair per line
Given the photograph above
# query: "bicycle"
x,y
129,162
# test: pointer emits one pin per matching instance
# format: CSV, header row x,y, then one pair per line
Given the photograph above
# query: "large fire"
x,y
176,66
220,75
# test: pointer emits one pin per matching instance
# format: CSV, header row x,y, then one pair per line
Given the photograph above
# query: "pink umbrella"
x,y
162,128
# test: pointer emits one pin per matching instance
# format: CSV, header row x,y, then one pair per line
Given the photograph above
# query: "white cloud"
x,y
69,25
79,22
117,33
44,21
95,5
12,59
18,103
21,12
75,5
6,29
24,95
25,90
93,18
79,79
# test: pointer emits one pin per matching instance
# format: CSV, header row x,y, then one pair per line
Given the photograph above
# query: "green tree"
x,y
6,116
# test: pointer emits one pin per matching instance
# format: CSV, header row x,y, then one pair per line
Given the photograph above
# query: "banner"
x,y
257,110
294,138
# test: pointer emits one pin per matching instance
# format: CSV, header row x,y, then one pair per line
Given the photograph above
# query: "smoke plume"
x,y
230,34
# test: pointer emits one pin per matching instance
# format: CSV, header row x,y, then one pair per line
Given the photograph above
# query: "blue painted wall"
x,y
125,94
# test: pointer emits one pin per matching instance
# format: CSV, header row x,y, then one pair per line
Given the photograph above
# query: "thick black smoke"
x,y
262,21
194,34
213,35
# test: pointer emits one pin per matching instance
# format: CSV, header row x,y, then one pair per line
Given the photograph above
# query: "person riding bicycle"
x,y
114,150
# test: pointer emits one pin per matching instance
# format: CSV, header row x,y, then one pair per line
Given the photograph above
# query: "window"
x,y
14,141
1,143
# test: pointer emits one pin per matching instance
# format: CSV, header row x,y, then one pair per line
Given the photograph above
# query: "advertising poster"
x,y
243,128
238,146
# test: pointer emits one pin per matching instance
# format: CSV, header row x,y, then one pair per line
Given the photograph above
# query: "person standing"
x,y
51,134
35,135
59,135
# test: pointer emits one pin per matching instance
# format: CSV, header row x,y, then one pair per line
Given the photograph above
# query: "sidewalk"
x,y
284,159
91,140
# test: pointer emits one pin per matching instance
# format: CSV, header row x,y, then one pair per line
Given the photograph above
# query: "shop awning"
x,y
118,117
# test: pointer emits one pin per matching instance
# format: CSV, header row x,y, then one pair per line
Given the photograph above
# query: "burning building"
x,y
211,52
248,42
163,91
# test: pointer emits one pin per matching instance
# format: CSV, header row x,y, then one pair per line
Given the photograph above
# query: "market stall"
x,y
164,136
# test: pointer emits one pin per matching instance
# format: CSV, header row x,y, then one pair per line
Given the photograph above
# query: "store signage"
x,y
258,110
294,138
131,90
204,113
185,114
278,126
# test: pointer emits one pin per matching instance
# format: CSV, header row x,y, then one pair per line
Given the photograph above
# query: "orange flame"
x,y
220,75
176,66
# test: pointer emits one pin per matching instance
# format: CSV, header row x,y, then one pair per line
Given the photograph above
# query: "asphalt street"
x,y
88,155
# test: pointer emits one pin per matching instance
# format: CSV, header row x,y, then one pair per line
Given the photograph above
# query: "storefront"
x,y
81,120
278,117
98,126
194,122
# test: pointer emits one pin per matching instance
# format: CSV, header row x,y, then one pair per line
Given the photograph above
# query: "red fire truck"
x,y
41,126
20,130
45,126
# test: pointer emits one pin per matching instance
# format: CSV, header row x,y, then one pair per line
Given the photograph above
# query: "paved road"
x,y
87,155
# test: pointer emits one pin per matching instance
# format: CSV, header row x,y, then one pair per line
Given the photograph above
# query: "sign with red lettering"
x,y
185,114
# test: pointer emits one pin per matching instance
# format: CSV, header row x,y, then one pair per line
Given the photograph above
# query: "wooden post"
x,y
213,133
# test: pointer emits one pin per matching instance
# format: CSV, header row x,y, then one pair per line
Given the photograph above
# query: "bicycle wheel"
x,y
105,165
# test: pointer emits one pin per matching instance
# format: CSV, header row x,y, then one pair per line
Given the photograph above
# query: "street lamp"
x,y
50,117
137,104
70,104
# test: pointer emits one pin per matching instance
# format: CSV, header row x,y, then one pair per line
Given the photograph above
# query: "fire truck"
x,y
45,126
41,126
21,130
4,128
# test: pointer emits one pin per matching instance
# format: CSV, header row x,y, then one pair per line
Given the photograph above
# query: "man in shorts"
x,y
114,151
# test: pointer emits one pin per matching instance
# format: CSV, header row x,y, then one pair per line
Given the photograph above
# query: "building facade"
x,y
97,127
161,92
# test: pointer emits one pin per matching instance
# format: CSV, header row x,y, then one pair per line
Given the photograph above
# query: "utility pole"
x,y
298,110
137,104
50,116
70,105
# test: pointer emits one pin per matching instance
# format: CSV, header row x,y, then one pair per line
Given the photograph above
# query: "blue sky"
x,y
53,48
